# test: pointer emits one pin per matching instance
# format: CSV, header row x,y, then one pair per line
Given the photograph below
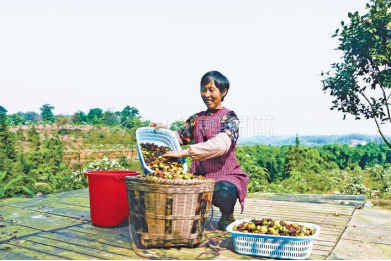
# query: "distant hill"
x,y
315,140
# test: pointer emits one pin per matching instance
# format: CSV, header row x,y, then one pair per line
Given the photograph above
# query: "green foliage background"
x,y
329,168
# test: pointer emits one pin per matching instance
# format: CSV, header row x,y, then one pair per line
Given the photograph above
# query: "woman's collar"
x,y
213,111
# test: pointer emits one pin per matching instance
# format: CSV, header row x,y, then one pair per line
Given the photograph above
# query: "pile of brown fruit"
x,y
163,167
274,227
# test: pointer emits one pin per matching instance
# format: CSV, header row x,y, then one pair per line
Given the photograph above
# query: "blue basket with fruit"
x,y
151,145
276,239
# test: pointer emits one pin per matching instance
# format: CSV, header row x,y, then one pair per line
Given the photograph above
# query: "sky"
x,y
151,54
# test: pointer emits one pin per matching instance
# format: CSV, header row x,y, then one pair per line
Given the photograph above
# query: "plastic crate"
x,y
162,137
285,247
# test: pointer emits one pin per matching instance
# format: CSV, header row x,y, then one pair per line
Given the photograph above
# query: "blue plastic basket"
x,y
285,247
162,137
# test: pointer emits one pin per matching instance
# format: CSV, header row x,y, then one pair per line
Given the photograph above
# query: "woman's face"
x,y
212,96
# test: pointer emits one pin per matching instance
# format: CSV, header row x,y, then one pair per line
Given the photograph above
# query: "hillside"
x,y
84,143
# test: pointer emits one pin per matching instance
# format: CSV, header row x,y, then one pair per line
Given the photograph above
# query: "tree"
x,y
295,161
129,116
20,134
55,151
46,113
3,110
7,147
79,117
298,157
297,141
61,121
32,117
175,126
259,175
361,83
94,116
33,139
16,118
109,118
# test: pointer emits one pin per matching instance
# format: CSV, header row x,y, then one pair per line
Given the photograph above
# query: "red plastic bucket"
x,y
108,200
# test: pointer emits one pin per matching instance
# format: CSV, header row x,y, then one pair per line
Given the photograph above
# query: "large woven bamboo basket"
x,y
169,212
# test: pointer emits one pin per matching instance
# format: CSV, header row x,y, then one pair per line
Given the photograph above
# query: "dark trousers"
x,y
225,195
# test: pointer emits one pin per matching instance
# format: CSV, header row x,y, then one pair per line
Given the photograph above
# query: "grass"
x,y
381,203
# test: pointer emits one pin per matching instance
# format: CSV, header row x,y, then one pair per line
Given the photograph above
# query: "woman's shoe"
x,y
224,222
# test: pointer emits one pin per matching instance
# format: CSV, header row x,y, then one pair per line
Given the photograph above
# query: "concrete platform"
x,y
58,226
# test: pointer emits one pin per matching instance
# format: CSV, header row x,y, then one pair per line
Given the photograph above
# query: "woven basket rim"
x,y
169,181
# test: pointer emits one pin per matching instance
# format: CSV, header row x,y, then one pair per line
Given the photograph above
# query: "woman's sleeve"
x,y
230,126
215,147
185,135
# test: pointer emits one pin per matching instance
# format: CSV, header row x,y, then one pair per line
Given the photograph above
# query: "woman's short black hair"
x,y
219,79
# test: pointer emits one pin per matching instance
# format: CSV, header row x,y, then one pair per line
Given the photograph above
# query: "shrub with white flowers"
x,y
103,164
355,186
382,174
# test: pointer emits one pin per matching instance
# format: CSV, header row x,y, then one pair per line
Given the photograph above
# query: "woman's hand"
x,y
176,153
157,126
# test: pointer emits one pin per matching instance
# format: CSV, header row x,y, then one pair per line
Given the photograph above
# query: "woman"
x,y
214,133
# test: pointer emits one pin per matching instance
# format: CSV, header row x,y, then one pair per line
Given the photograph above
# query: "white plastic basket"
x,y
285,247
162,137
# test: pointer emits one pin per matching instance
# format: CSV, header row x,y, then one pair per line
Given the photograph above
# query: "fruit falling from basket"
x,y
274,227
163,167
